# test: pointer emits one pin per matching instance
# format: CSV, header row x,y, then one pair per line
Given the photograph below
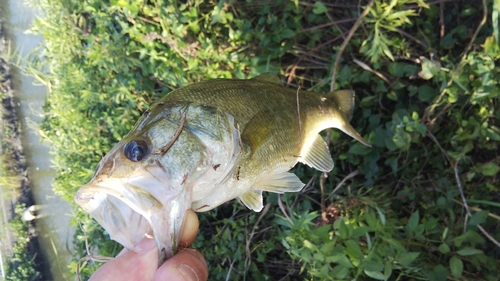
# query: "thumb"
x,y
188,265
130,264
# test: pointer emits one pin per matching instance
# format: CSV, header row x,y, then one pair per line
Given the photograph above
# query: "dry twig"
x,y
454,164
368,68
282,208
250,237
349,176
291,73
89,256
459,184
346,41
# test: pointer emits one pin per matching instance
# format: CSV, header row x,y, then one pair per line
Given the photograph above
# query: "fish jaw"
x,y
119,203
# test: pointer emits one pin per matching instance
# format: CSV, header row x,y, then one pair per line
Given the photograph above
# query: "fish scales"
x,y
205,144
253,103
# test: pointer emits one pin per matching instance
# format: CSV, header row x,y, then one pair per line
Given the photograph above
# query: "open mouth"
x,y
130,208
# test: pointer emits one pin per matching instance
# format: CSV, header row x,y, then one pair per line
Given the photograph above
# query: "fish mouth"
x,y
133,207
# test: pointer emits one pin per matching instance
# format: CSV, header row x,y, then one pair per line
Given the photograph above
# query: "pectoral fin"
x,y
253,199
317,156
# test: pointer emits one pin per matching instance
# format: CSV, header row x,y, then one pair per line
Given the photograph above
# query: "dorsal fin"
x,y
279,183
344,99
269,77
253,199
317,156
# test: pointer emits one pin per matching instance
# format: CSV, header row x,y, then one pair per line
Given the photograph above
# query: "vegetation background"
x,y
18,246
421,204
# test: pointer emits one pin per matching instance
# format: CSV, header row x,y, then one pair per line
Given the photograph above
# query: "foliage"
x,y
21,265
428,93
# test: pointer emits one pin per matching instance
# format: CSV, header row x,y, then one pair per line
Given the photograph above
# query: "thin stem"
x,y
346,41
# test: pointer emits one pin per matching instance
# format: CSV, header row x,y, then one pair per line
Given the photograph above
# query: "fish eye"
x,y
136,150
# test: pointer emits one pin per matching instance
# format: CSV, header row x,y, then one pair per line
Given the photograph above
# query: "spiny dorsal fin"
x,y
280,183
269,77
253,199
344,99
317,156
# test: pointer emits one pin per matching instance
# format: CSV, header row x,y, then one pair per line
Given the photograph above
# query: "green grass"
x,y
426,100
22,264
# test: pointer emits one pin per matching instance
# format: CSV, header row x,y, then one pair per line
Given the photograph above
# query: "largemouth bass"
x,y
208,143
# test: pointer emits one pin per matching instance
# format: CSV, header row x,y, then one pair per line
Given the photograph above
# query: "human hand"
x,y
142,262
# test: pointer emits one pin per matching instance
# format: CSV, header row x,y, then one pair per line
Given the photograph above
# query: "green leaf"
x,y
343,230
373,266
345,74
448,41
494,19
381,215
375,275
401,138
490,203
407,258
440,272
426,93
489,169
421,3
339,272
456,267
340,259
353,249
478,218
413,221
429,69
468,251
287,33
444,248
388,269
491,46
359,231
360,149
319,8
402,69
309,245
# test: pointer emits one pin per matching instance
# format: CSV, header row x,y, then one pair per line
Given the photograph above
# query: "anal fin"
x,y
280,183
253,199
317,156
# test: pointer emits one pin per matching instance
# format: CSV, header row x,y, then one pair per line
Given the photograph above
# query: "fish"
x,y
205,144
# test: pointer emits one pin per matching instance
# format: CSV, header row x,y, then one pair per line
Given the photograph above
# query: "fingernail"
x,y
146,245
188,272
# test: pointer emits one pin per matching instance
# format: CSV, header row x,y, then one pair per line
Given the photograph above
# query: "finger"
x,y
130,265
189,229
187,265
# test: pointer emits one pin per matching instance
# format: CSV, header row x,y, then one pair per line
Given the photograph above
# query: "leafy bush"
x,y
21,265
426,76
